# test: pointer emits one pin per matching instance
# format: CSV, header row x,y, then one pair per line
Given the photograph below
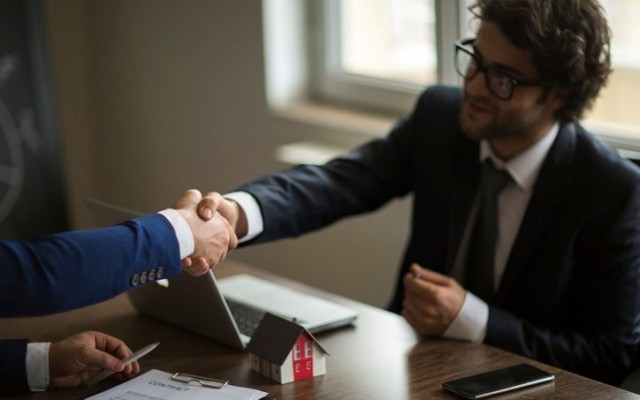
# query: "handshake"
x,y
215,224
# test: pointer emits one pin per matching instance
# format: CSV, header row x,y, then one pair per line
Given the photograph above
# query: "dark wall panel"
x,y
31,185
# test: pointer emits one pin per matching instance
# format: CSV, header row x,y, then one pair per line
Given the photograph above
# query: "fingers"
x,y
186,263
419,287
233,238
189,198
214,203
214,239
195,267
429,275
425,321
432,300
112,346
102,360
425,282
427,318
73,360
209,205
129,370
214,236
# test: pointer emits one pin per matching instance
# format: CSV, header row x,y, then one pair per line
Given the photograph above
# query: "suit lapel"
x,y
553,183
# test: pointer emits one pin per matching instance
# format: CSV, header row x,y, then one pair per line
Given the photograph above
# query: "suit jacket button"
x,y
152,275
135,280
143,278
160,273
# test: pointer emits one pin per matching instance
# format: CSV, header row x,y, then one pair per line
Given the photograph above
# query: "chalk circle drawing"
x,y
11,162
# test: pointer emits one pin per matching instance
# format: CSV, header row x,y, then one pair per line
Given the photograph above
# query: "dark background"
x,y
31,186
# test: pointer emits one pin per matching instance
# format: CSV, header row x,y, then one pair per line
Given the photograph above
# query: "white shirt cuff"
x,y
182,230
38,366
471,322
255,224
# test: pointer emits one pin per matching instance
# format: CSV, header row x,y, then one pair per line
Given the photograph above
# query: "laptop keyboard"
x,y
247,318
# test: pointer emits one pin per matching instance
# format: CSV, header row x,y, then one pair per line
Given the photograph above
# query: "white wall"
x,y
157,96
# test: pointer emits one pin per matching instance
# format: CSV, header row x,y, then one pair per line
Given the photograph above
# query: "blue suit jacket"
x,y
570,293
74,269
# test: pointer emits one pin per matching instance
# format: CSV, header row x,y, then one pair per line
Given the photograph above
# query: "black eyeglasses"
x,y
499,83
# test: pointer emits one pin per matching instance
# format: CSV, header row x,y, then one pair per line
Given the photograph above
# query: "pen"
x,y
135,356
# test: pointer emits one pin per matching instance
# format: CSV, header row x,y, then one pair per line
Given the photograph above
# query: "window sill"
x,y
361,126
625,138
358,126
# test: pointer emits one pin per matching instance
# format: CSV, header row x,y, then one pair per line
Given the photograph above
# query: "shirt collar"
x,y
525,167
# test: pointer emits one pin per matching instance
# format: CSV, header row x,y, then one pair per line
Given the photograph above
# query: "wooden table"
x,y
380,357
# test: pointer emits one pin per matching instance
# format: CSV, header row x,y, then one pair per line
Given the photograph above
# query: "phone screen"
x,y
498,381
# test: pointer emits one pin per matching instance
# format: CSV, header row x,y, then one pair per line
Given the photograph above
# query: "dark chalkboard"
x,y
31,187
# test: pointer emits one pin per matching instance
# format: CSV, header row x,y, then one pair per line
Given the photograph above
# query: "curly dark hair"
x,y
569,41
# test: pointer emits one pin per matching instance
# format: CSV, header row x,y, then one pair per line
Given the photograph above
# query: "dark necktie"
x,y
480,259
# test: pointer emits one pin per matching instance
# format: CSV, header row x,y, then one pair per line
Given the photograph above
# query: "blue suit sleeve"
x,y
13,371
75,269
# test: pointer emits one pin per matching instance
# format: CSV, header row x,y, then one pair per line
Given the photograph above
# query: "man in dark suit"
x,y
563,283
74,269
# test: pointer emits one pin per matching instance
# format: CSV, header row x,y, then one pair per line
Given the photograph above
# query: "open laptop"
x,y
226,310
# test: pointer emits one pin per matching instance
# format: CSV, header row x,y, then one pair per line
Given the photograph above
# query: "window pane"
x,y
389,39
619,101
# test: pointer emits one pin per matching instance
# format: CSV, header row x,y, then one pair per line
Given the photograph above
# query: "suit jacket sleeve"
x,y
309,197
13,377
78,268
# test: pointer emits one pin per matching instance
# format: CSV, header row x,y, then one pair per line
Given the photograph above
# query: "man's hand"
x,y
214,238
431,300
73,361
214,202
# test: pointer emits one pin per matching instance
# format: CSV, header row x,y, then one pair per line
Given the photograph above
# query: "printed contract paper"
x,y
158,385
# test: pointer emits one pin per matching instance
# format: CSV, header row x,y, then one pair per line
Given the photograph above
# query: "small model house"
x,y
285,351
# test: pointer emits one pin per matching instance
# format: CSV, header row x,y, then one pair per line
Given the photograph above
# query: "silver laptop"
x,y
226,310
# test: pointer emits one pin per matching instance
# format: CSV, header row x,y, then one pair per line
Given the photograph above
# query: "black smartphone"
x,y
498,381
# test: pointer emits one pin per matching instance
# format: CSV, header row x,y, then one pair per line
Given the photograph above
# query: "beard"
x,y
483,119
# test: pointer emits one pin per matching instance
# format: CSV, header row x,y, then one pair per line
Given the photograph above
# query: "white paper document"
x,y
158,385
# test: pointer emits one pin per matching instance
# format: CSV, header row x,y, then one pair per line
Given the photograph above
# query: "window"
x,y
307,349
296,352
381,53
616,109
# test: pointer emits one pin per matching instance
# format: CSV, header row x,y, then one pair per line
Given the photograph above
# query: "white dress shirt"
x,y
37,360
471,322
